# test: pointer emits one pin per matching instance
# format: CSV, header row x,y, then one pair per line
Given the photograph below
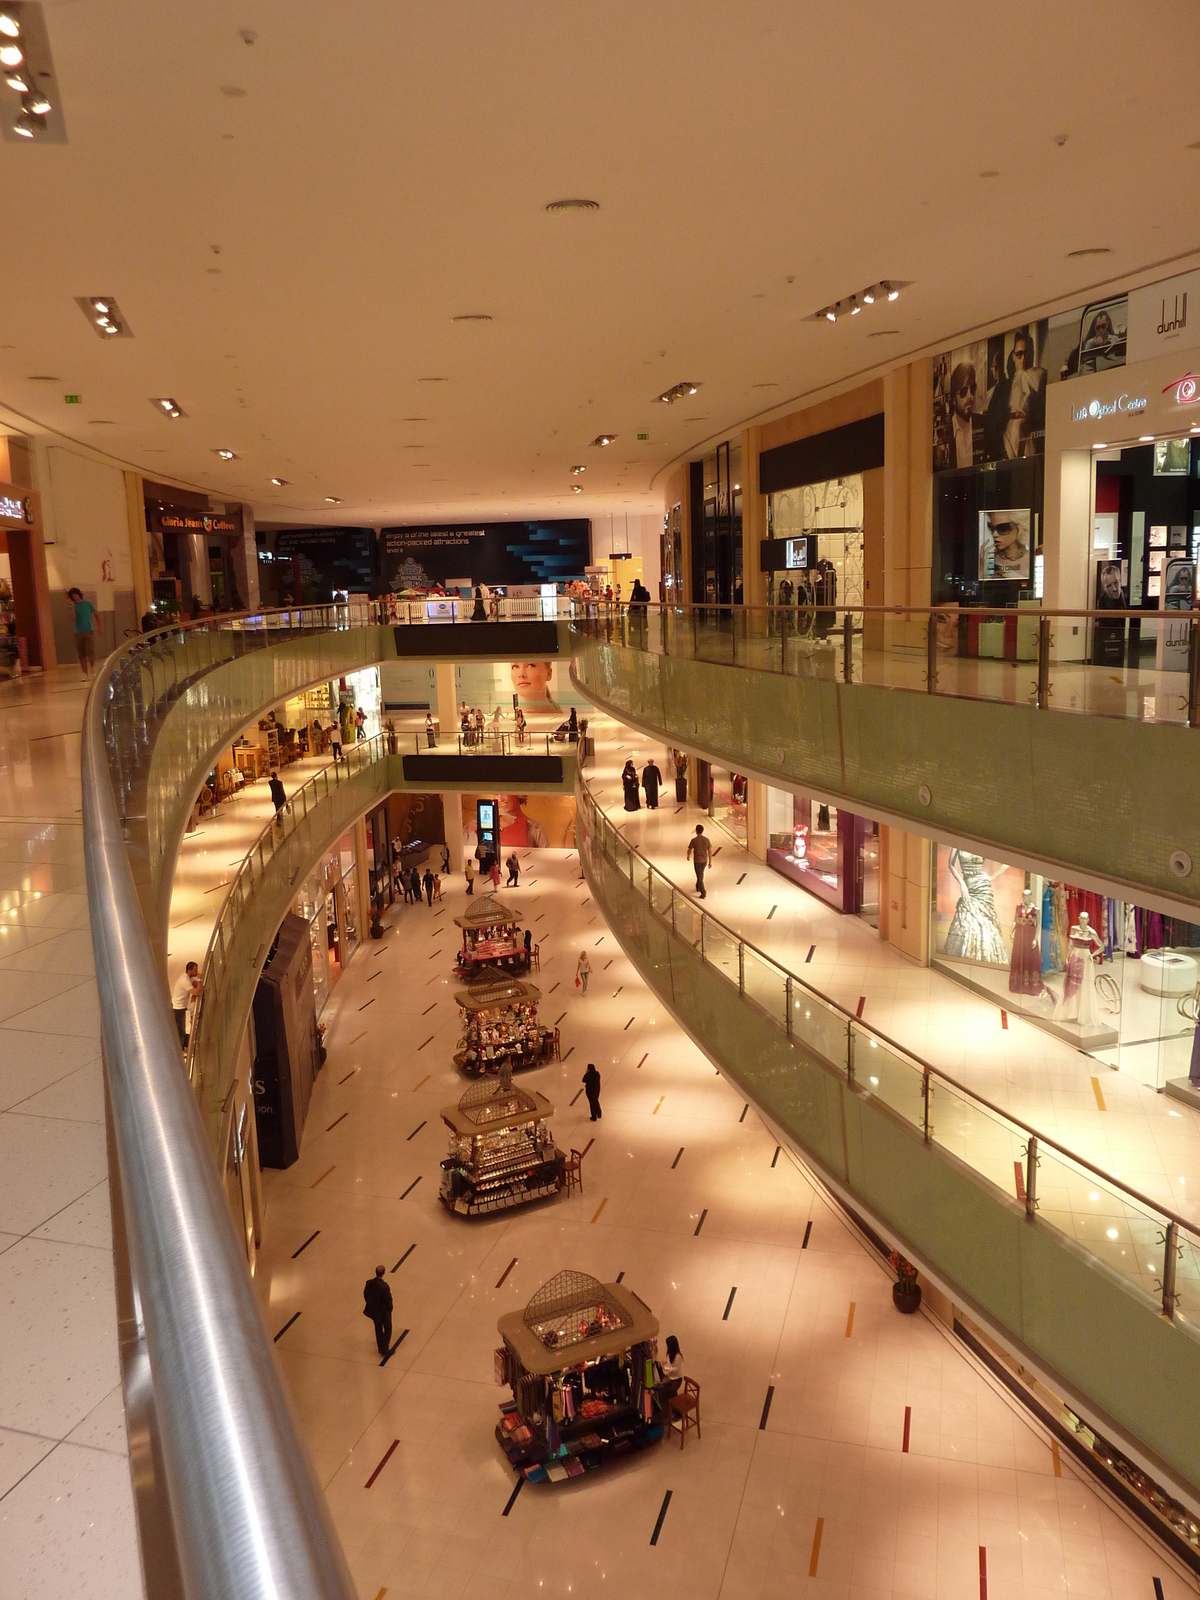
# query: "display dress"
x,y
974,934
1025,968
1078,1002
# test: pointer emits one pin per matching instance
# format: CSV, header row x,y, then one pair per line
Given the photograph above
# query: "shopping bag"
x,y
578,985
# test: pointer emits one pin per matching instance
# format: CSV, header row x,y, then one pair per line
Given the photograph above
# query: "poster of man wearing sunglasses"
x,y
989,399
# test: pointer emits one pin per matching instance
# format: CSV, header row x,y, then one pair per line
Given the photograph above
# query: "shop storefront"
x,y
310,904
1116,980
716,531
727,806
832,853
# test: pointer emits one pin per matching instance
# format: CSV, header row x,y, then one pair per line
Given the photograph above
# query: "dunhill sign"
x,y
1177,321
1158,318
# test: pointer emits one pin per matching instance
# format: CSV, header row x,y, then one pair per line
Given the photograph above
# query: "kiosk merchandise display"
x,y
502,1153
490,940
501,1029
580,1363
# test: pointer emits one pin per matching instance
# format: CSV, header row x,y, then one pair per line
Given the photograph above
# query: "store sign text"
x,y
15,510
1095,409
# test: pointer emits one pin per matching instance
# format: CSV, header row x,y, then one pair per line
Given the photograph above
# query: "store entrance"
x,y
830,852
866,841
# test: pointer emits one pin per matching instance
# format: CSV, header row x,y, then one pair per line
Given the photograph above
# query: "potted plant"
x,y
321,1051
906,1291
377,919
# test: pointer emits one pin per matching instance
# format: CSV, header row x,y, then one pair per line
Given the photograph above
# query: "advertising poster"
x,y
495,553
1178,589
977,902
527,822
1111,594
989,399
1005,545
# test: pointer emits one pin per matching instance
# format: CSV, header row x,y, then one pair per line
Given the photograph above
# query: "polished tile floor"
x,y
801,1483
66,1501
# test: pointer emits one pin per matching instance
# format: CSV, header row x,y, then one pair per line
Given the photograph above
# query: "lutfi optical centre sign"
x,y
1124,405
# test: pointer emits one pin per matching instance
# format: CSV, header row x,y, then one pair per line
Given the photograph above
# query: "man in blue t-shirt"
x,y
86,621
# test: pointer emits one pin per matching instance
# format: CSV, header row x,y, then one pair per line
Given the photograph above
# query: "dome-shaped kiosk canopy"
x,y
573,1319
493,1104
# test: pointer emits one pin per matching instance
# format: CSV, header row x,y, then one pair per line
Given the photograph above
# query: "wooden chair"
x,y
572,1170
535,958
557,1046
685,1409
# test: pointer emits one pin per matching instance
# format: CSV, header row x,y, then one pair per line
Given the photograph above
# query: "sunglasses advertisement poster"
x,y
989,399
1005,545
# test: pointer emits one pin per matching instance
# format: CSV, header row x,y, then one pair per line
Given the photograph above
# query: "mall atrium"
x,y
599,844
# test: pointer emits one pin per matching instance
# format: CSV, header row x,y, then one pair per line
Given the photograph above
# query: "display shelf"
x,y
502,1153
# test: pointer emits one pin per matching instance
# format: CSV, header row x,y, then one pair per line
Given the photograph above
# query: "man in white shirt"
x,y
184,996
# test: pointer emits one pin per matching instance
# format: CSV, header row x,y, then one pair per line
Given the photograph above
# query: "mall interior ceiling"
x,y
335,240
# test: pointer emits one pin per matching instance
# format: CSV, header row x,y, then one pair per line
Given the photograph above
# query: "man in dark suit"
x,y
377,1304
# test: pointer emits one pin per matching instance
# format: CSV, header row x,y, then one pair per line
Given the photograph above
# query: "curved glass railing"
x,y
1139,664
1061,1258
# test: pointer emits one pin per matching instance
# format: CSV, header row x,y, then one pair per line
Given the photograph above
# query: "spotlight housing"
x,y
602,440
226,455
11,55
280,483
575,471
9,26
168,407
104,316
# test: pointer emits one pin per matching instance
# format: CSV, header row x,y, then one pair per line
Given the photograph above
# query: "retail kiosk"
x,y
501,1028
491,940
580,1363
502,1153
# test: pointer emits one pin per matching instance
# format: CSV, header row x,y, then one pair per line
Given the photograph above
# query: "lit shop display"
x,y
822,527
501,1031
491,940
830,852
580,1363
502,1153
1115,979
728,805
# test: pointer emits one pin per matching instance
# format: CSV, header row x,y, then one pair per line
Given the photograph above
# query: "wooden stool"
x,y
685,1409
572,1171
535,959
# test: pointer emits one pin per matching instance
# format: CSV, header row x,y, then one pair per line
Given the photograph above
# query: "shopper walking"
x,y
278,797
335,740
377,1304
414,883
514,871
583,971
183,997
428,881
479,612
446,860
430,734
494,873
85,620
629,782
699,854
651,778
360,724
591,1086
437,887
469,873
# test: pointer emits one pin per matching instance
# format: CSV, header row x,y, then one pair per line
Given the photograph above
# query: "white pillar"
x,y
452,812
447,709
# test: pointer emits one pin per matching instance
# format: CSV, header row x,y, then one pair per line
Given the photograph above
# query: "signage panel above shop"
x,y
163,518
495,553
1164,317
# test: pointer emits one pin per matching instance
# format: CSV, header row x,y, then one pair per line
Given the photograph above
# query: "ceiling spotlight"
x,y
25,125
576,488
575,471
603,439
104,316
226,455
573,205
868,297
892,294
18,81
1146,438
101,306
280,483
332,500
855,308
11,55
831,315
168,407
38,104
9,26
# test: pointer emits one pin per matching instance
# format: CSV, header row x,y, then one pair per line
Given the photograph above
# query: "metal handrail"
x,y
248,1515
919,1064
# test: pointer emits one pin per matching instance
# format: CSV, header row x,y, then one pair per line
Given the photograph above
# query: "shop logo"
x,y
208,524
1178,320
1095,409
1187,388
16,510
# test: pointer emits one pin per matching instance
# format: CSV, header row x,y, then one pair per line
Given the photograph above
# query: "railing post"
x,y
931,654
1031,1166
789,1003
673,927
849,1052
1170,1260
741,969
925,1087
1043,663
695,634
1194,675
702,921
848,647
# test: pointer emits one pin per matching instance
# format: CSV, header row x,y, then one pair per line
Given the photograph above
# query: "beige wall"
x,y
907,485
756,819
904,889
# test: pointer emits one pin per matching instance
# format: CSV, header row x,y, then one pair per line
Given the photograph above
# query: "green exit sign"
x,y
643,435
73,399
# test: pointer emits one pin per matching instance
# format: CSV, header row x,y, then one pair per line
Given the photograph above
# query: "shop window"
x,y
728,804
824,522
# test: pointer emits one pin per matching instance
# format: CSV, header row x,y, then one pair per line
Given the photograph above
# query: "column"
x,y
452,813
139,544
905,868
362,882
447,707
756,817
754,521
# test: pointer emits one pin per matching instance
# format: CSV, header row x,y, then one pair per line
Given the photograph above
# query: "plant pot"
x,y
906,1301
377,930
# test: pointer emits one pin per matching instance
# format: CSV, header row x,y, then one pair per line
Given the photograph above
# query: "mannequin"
x,y
1078,1003
1025,967
974,933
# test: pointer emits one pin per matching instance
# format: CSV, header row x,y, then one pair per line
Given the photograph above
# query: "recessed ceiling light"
x,y
575,471
989,172
472,316
9,26
280,483
677,391
11,55
226,455
433,380
1146,438
38,104
332,500
892,292
414,419
831,316
104,315
43,377
884,333
1099,447
576,488
868,297
168,407
603,439
17,80
573,205
26,126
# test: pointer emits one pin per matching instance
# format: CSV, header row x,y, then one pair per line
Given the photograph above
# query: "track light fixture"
x,y
886,288
677,391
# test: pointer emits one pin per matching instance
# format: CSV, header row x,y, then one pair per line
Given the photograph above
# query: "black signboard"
x,y
330,558
495,553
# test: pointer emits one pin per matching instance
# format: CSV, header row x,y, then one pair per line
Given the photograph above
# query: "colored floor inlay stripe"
x,y
850,1321
430,1040
322,1178
729,1304
424,1081
775,1157
370,1002
766,1410
410,1188
381,1593
1019,1180
745,1108
506,1272
1003,1017
662,1517
661,1098
395,1347
336,1120
428,1009
587,1147
386,1458
305,1245
816,1547
1056,1458
807,1234
569,1053
629,1024
620,1274
416,1131
772,912
982,1572
862,1000
675,1163
577,1096
352,1071
512,1499
907,1426
700,1224
404,1258
1158,1590
742,879
285,1327
1099,1093
599,1209
559,1018
812,950
373,976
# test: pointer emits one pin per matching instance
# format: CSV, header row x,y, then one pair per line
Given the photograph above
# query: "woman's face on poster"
x,y
531,679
